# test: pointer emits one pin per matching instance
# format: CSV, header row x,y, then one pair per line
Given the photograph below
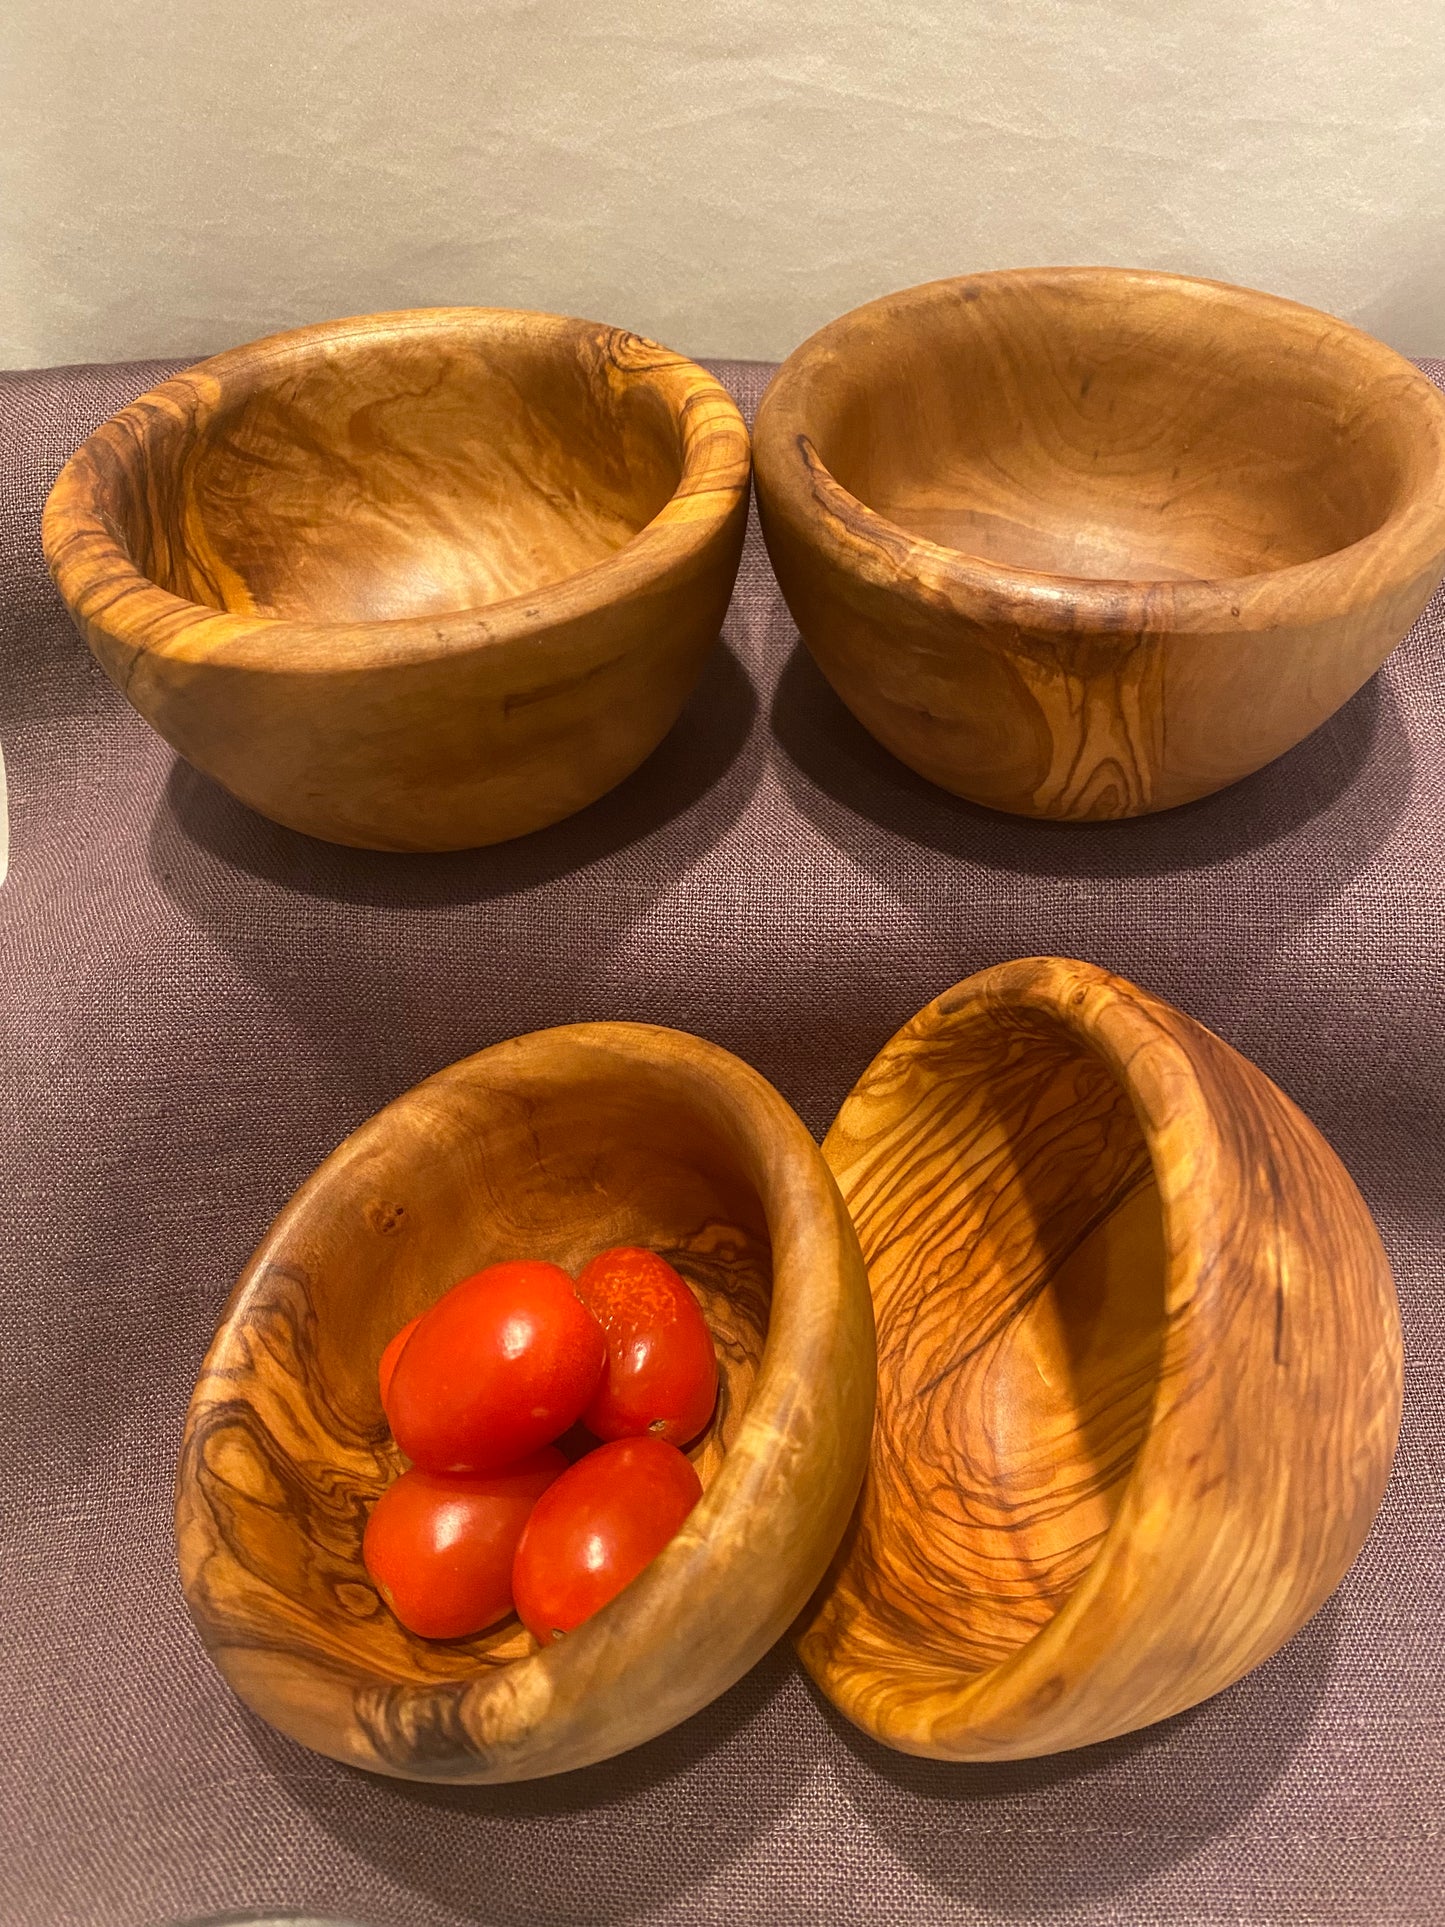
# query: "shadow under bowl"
x,y
417,581
1091,542
554,1145
1139,1371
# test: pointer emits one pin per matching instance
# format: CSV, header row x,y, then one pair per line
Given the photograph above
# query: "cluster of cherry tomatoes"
x,y
491,1516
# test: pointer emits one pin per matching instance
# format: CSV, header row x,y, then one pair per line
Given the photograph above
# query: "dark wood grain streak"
x,y
414,581
554,1145
1088,542
1139,1370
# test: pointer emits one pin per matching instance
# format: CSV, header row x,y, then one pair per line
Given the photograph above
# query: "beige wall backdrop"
x,y
184,174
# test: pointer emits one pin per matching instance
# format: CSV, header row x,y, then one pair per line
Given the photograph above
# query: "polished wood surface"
x,y
1089,542
554,1145
412,581
1139,1372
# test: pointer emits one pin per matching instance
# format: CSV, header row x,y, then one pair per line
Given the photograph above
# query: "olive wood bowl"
x,y
554,1145
1088,542
413,581
1139,1371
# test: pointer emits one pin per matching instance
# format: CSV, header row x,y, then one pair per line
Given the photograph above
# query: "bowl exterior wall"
x,y
1077,724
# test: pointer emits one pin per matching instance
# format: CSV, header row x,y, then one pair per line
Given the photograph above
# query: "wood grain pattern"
x,y
1139,1372
413,581
1088,542
554,1145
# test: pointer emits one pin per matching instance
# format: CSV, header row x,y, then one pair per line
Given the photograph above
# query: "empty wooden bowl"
x,y
1139,1371
1085,542
415,581
554,1145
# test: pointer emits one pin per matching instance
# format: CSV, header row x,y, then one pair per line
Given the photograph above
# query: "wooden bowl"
x,y
1085,542
414,581
554,1145
1139,1371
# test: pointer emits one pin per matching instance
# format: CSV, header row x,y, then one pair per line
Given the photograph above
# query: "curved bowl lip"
x,y
807,1227
1410,538
1114,1021
100,582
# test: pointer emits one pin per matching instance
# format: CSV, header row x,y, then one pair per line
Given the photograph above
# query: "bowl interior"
x,y
466,1170
374,475
1113,426
1013,1233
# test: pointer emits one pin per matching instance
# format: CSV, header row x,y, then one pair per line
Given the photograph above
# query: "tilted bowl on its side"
x,y
1139,1371
554,1145
1090,542
415,581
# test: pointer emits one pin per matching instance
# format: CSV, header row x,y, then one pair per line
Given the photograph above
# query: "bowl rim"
x,y
1149,1050
793,479
103,587
820,1314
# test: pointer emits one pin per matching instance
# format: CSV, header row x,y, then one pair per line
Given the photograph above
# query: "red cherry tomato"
x,y
441,1549
661,1373
501,1365
389,1357
594,1530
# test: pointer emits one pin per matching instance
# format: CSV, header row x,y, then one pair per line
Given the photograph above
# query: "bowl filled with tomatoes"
x,y
538,1415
